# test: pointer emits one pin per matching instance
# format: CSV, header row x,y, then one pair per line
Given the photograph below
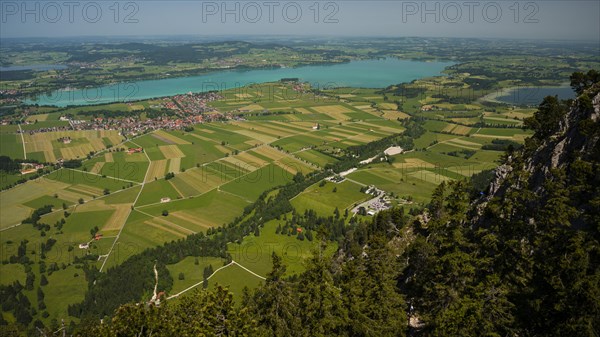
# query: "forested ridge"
x,y
521,259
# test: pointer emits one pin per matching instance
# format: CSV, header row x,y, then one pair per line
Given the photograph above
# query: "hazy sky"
x,y
572,20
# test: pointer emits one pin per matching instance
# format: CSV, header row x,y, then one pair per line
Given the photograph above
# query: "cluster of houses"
x,y
335,179
380,202
300,87
430,107
228,63
86,245
9,92
129,125
189,109
9,97
93,65
65,140
49,129
191,103
27,168
133,150
132,126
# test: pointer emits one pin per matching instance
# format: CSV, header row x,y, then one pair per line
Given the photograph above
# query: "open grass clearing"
x,y
154,191
324,201
13,200
211,209
253,184
193,273
316,157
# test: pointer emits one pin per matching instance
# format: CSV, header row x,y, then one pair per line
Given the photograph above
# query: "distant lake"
x,y
533,95
358,74
36,67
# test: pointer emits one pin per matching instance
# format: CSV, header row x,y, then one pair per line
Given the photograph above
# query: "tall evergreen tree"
x,y
322,311
275,304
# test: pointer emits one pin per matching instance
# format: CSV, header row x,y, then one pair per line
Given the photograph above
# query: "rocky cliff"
x,y
576,139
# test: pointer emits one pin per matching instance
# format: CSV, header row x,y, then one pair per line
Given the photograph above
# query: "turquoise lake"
x,y
359,74
535,95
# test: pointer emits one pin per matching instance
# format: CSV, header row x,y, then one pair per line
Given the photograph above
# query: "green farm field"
x,y
192,272
255,252
324,200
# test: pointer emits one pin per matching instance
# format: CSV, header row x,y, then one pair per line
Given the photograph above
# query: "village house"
x,y
132,150
27,168
65,140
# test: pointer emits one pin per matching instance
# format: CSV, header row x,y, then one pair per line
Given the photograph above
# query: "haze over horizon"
x,y
553,20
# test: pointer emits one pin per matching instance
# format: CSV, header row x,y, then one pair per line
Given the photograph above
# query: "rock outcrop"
x,y
570,142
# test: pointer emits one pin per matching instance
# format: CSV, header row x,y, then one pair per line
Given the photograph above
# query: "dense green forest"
x,y
521,258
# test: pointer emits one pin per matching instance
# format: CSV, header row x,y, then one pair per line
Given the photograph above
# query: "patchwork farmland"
x,y
194,181
47,146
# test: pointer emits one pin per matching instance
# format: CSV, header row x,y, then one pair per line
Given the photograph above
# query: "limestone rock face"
x,y
556,151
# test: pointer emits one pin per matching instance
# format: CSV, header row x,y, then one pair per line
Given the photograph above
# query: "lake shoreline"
x,y
495,97
372,73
